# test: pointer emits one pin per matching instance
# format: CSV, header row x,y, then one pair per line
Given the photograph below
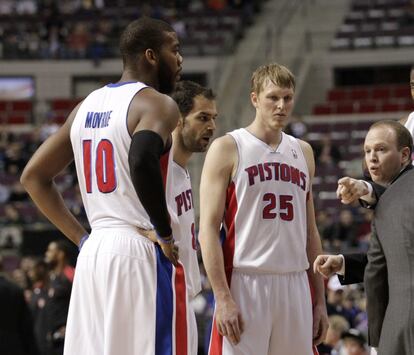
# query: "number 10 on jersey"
x,y
104,163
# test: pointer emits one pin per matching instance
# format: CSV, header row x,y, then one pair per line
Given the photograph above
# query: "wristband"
x,y
170,240
83,240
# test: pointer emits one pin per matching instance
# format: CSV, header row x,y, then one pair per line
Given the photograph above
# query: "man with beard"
x,y
192,135
122,298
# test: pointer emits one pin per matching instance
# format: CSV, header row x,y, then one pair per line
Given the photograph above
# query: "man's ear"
x,y
253,99
180,123
151,56
406,156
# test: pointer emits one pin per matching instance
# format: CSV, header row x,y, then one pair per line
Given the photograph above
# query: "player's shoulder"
x,y
306,147
224,144
151,98
153,105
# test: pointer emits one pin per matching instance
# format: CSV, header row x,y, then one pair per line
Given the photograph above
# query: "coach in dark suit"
x,y
389,271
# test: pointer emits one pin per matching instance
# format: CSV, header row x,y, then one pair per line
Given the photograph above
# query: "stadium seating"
x,y
366,99
374,24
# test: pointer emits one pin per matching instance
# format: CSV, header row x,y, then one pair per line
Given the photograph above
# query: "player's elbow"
x,y
27,177
32,177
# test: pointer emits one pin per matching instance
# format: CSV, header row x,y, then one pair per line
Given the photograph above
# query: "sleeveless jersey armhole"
x,y
236,174
308,188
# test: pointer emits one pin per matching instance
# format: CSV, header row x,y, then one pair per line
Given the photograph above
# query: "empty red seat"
x,y
345,107
391,107
381,92
401,91
15,119
367,107
408,106
359,93
322,109
337,94
22,106
64,104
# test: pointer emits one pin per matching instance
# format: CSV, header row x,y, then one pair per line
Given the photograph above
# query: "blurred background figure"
x,y
337,326
61,275
16,324
39,277
353,343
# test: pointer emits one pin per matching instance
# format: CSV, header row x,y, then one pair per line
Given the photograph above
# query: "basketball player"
x,y
125,287
193,133
260,179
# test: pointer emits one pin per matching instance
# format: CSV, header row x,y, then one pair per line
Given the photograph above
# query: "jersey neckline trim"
x,y
272,150
115,85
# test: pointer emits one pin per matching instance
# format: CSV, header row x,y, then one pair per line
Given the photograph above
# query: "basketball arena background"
x,y
351,58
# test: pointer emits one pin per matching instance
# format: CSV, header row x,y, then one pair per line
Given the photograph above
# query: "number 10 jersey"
x,y
101,142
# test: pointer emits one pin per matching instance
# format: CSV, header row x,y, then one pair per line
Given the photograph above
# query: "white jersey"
x,y
409,124
184,228
265,216
101,141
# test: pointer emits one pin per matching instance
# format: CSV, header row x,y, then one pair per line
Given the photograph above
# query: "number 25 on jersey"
x,y
285,206
104,162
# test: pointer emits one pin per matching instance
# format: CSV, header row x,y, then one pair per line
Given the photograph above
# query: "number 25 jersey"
x,y
264,225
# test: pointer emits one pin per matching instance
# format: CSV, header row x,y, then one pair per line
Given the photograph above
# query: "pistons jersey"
x,y
101,142
181,208
264,226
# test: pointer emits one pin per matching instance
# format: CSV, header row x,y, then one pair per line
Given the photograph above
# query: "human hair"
x,y
276,73
338,324
64,246
185,92
141,35
402,134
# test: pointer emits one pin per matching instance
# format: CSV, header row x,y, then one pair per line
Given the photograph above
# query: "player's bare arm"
x,y
313,249
53,156
219,166
154,116
151,110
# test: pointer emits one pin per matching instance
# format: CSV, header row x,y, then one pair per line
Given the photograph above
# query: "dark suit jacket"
x,y
354,268
389,274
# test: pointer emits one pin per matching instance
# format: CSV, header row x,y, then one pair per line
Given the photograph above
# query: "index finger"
x,y
344,181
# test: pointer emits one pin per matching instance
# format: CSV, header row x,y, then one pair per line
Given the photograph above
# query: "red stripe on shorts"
x,y
180,312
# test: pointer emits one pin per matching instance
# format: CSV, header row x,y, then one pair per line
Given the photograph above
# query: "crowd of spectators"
x,y
78,29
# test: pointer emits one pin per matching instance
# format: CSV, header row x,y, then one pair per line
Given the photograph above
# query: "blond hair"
x,y
276,73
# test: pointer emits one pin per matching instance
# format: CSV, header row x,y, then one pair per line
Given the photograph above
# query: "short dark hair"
x,y
64,246
142,34
402,134
185,92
